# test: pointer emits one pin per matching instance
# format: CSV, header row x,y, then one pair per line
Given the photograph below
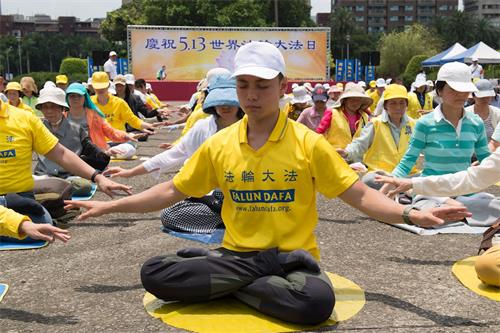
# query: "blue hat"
x,y
221,91
78,88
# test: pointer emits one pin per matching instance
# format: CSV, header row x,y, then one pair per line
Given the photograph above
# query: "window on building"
x,y
360,8
394,8
443,7
408,18
409,8
394,18
359,18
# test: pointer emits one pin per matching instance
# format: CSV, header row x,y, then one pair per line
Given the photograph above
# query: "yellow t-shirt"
x,y
118,113
155,99
21,134
10,222
270,194
24,107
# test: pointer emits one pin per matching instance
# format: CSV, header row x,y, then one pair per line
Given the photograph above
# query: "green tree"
x,y
219,13
397,48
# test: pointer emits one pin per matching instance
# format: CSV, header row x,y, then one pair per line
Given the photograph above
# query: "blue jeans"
x,y
45,218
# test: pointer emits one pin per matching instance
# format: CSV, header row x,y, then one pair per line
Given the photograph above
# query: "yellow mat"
x,y
231,315
466,273
113,159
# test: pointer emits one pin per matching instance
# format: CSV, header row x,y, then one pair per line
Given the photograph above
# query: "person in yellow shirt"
x,y
269,168
377,93
22,134
419,102
300,100
384,140
13,93
117,111
62,81
19,226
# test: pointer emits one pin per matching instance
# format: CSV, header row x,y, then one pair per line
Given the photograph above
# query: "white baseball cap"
x,y
295,85
419,82
458,76
362,84
130,78
148,86
326,86
380,83
52,94
260,59
474,59
112,53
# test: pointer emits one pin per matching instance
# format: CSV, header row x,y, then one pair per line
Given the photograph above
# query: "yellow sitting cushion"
x,y
466,273
230,315
114,159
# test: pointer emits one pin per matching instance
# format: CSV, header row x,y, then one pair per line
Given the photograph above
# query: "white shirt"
x,y
141,95
110,67
476,71
175,157
472,180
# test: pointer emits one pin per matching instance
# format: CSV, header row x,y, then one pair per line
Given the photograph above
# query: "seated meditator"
x,y
449,136
22,134
198,215
420,101
85,113
384,140
312,116
52,103
474,179
488,113
300,100
344,123
13,91
269,168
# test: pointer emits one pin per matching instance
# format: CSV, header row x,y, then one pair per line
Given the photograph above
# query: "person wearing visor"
x,y
13,91
198,215
384,140
300,100
85,113
343,124
481,107
269,168
420,101
311,116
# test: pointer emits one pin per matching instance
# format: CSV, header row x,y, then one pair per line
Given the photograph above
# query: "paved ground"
x,y
92,283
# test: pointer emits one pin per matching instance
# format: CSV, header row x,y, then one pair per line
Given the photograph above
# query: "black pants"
x,y
255,278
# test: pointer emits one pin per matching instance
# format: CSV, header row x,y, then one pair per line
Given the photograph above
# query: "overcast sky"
x,y
85,9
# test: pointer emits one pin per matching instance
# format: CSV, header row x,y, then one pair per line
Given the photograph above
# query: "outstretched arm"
x,y
160,196
381,208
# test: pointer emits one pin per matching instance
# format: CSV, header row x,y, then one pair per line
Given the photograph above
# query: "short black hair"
x,y
212,110
140,83
438,86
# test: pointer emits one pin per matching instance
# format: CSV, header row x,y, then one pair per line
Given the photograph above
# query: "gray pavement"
x,y
92,283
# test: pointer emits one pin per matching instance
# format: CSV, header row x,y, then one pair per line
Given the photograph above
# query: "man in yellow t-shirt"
x,y
117,111
22,134
269,168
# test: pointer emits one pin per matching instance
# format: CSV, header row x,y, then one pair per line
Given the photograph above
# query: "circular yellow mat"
x,y
466,273
231,315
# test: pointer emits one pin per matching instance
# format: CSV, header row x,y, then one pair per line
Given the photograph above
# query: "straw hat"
x,y
354,90
29,84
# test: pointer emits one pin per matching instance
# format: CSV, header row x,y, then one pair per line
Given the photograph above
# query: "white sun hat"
x,y
485,89
458,76
380,83
300,95
260,59
52,95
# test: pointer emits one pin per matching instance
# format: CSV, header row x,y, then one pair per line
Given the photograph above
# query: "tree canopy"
x,y
220,13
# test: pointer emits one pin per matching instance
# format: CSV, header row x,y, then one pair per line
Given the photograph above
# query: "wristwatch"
x,y
92,178
406,214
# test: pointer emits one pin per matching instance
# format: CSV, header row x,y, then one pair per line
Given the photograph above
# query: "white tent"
x,y
440,58
481,51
